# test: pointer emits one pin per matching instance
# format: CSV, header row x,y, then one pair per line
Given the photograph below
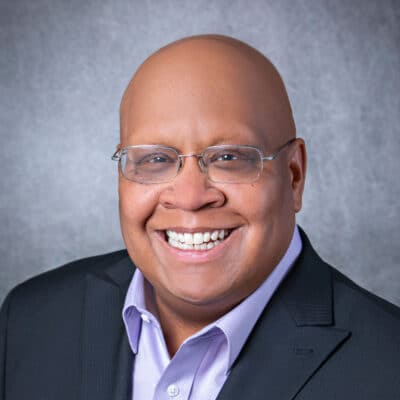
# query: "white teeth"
x,y
214,235
188,238
185,246
173,242
210,245
172,234
197,240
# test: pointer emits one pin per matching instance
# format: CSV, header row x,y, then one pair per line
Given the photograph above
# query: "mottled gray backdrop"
x,y
64,65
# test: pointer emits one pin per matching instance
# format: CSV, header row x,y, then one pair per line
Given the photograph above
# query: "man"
x,y
221,296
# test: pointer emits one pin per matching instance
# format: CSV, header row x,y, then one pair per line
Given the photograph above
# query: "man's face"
x,y
181,109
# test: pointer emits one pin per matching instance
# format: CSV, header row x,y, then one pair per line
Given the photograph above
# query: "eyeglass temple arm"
x,y
116,156
273,156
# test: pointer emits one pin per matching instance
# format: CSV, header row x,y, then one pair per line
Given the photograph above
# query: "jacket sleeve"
x,y
3,345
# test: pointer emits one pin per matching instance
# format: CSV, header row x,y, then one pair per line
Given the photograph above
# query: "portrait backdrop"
x,y
65,64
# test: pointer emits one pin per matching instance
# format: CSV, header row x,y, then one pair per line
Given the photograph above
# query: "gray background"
x,y
64,65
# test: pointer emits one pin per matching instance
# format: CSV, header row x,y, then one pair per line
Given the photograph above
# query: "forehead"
x,y
205,96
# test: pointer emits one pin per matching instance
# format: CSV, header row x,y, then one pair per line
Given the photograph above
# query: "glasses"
x,y
222,164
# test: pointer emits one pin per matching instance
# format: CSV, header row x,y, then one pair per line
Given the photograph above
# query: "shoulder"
x,y
350,303
364,311
61,284
346,286
45,320
365,363
372,322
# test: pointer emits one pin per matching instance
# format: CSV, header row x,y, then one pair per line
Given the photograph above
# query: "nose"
x,y
191,190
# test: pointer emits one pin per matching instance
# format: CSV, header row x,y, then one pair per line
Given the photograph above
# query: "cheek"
x,y
274,198
136,206
269,227
267,209
261,202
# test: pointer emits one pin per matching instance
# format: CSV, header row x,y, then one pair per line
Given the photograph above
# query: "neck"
x,y
180,321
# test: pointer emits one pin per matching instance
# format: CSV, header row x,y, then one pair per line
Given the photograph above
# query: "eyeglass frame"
x,y
117,156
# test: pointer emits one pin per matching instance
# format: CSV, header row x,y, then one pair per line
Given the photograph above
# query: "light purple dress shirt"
x,y
202,364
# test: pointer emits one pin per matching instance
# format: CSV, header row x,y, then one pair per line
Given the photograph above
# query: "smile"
x,y
197,240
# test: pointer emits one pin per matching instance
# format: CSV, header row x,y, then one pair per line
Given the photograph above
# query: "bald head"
x,y
206,73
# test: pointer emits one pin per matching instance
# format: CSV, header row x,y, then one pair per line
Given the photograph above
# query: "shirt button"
x,y
145,318
172,390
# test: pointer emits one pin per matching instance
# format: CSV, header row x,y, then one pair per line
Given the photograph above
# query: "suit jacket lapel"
x,y
294,336
106,356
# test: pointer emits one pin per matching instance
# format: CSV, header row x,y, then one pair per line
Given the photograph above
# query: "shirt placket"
x,y
177,380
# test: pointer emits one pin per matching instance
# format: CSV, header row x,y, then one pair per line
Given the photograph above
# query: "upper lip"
x,y
181,229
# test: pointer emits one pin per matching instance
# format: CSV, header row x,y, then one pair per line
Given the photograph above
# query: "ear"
x,y
297,169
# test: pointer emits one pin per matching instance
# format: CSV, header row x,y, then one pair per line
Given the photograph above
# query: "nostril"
x,y
191,190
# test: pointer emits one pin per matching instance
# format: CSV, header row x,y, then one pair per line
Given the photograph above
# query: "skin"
x,y
194,93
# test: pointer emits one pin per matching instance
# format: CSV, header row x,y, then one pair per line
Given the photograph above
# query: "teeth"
x,y
188,238
197,240
210,245
172,234
214,235
184,246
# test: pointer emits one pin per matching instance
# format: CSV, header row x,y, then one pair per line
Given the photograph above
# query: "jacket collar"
x,y
294,336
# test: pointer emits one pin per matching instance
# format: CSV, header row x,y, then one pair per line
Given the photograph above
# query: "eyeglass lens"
x,y
152,164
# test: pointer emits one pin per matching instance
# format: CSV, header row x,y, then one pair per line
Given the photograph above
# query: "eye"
x,y
230,155
225,157
232,159
155,158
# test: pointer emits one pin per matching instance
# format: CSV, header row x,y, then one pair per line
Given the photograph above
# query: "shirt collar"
x,y
236,325
135,308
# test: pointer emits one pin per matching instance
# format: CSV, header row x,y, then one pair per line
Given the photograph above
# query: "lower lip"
x,y
199,256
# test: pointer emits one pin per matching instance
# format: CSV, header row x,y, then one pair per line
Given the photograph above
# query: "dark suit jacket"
x,y
320,337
